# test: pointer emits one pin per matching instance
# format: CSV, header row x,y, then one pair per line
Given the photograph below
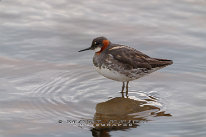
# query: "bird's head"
x,y
98,44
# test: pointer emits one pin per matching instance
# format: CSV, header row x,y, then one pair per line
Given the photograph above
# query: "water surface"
x,y
44,81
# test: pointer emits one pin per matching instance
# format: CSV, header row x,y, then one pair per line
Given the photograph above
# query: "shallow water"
x,y
45,84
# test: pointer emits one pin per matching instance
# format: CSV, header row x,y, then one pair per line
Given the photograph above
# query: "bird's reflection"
x,y
122,113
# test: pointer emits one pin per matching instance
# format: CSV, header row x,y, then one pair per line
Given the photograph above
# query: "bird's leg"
x,y
122,94
127,88
123,87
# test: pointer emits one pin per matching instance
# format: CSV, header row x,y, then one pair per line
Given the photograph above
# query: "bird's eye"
x,y
95,43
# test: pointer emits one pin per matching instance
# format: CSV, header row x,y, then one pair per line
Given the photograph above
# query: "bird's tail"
x,y
165,61
161,62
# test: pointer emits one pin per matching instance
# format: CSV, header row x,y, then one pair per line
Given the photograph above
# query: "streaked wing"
x,y
133,58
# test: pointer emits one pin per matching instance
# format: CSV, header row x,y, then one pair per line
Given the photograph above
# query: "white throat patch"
x,y
97,49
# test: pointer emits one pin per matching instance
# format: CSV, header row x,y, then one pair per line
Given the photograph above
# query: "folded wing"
x,y
133,58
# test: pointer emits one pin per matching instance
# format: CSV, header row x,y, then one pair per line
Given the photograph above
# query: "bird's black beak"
x,y
85,49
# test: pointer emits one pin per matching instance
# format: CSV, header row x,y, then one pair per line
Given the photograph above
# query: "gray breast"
x,y
98,60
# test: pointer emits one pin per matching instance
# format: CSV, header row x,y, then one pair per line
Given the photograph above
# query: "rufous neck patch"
x,y
105,45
